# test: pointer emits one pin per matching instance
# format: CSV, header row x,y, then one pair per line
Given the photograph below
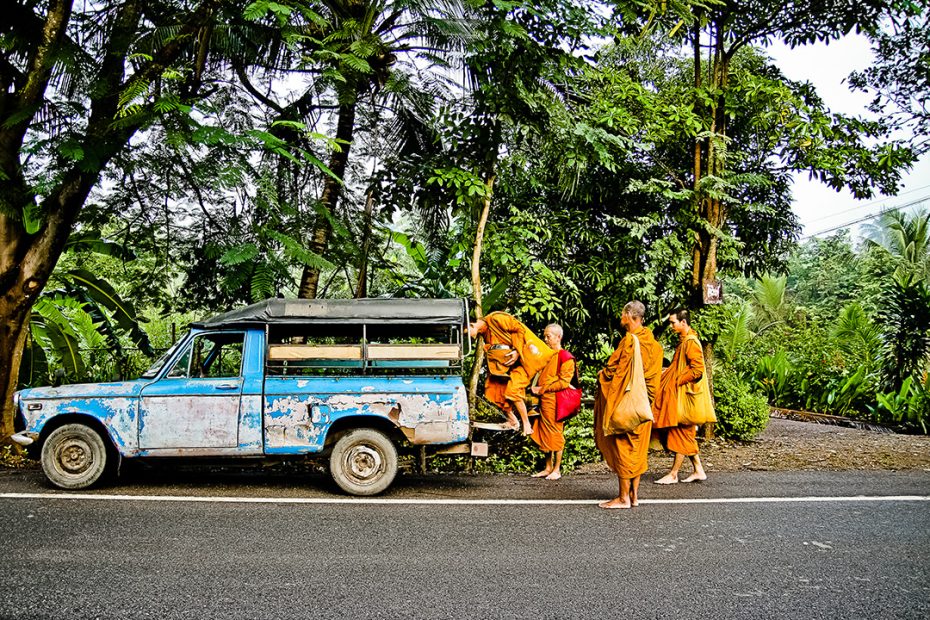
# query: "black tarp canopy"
x,y
343,311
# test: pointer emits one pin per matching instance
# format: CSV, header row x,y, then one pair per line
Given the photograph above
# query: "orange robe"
x,y
626,454
547,433
534,353
687,367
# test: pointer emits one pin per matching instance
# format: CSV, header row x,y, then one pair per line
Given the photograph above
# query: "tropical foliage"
x,y
863,347
168,158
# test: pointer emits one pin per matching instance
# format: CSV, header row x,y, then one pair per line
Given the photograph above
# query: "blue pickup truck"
x,y
353,381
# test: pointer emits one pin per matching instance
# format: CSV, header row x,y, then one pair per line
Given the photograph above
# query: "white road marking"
x,y
451,501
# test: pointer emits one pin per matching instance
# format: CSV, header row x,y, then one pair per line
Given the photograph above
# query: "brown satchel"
x,y
633,408
497,355
694,402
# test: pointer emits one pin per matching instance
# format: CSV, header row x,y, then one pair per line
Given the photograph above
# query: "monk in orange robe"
x,y
528,357
627,453
547,433
687,367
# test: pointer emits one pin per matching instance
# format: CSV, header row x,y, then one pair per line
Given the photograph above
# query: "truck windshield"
x,y
156,367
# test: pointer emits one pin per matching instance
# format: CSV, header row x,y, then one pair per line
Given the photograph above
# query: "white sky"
x,y
826,66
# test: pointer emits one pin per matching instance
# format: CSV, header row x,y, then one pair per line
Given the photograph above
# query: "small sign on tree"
x,y
713,292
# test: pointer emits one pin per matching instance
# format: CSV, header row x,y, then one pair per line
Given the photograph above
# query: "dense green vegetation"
x,y
162,160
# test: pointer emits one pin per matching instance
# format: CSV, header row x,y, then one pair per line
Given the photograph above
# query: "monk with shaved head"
x,y
555,376
627,453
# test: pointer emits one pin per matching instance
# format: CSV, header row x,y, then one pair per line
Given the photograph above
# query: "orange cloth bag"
x,y
695,406
633,408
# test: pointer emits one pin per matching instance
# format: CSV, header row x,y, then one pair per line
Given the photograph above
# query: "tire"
x,y
363,462
74,456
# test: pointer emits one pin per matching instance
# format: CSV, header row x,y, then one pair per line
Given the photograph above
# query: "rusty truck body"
x,y
353,381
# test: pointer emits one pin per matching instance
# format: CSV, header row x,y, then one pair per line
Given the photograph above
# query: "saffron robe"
x,y
547,433
687,367
502,328
626,454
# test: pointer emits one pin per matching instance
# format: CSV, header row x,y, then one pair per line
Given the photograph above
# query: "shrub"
x,y
741,412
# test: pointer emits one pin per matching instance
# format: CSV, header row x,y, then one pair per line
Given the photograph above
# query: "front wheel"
x,y
74,456
363,462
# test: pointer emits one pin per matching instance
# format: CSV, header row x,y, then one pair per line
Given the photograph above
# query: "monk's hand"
x,y
511,358
537,390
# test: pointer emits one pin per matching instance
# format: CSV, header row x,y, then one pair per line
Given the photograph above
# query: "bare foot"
x,y
554,476
542,474
696,477
668,479
615,503
634,499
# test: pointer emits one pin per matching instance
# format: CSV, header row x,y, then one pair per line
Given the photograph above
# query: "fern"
x,y
295,250
239,254
263,282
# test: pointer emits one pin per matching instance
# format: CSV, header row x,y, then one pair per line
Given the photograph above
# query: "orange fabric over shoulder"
x,y
627,454
547,433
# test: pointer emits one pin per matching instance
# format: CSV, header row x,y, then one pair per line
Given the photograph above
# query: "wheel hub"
x,y
75,456
363,463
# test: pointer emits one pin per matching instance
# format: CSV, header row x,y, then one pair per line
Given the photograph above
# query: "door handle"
x,y
227,386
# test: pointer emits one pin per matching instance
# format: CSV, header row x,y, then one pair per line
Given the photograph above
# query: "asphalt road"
x,y
435,547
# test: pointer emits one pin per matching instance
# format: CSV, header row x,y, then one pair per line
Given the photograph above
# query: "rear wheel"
x,y
74,456
363,462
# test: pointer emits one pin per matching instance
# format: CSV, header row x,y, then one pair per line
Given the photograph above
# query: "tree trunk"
x,y
361,290
332,190
14,310
712,211
696,298
476,283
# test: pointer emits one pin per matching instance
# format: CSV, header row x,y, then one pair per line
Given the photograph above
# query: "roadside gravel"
x,y
792,445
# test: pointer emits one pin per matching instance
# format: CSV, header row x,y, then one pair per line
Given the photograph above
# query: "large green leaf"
x,y
92,241
66,348
101,292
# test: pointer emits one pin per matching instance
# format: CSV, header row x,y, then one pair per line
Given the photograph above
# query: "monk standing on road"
x,y
627,453
687,367
555,376
528,356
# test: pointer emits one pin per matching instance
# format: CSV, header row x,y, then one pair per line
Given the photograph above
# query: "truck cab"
x,y
355,382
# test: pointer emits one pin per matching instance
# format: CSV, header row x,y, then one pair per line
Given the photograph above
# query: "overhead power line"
x,y
868,217
863,206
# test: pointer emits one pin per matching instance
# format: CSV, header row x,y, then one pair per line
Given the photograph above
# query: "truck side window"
x,y
211,356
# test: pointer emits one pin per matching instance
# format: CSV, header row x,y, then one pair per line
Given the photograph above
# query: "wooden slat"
x,y
413,352
314,352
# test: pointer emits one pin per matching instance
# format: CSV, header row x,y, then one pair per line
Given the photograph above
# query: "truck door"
x,y
196,404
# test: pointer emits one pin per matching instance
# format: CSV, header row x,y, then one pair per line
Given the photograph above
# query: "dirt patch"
x,y
792,445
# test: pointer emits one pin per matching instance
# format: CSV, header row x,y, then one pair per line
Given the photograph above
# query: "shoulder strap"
x,y
564,356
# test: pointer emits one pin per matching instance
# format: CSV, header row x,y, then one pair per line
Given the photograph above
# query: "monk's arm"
x,y
694,361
